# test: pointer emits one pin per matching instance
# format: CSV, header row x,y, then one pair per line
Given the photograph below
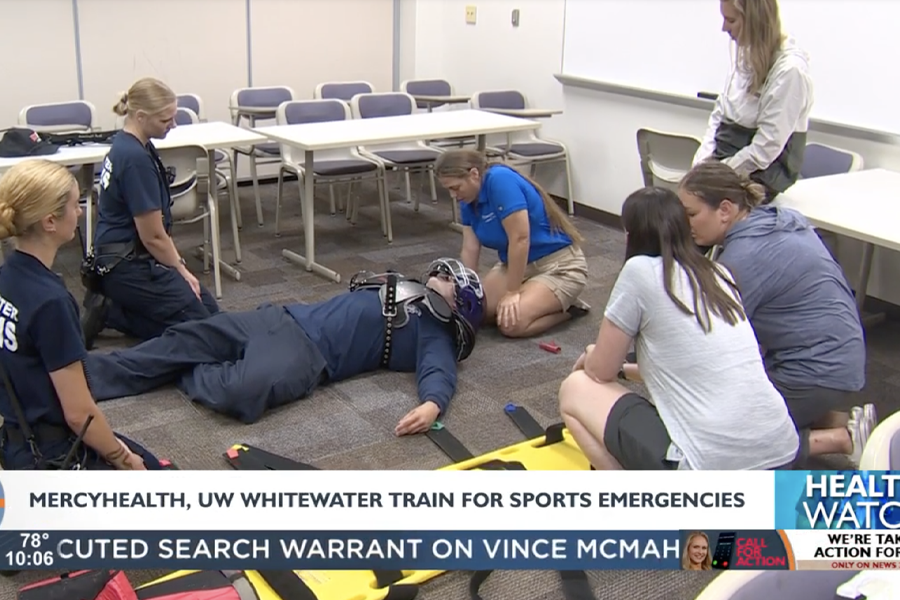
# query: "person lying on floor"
x,y
798,300
711,406
44,400
240,364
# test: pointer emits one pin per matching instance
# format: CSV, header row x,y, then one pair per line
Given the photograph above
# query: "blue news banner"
x,y
340,550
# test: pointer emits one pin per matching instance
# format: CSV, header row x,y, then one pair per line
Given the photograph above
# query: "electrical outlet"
x,y
470,15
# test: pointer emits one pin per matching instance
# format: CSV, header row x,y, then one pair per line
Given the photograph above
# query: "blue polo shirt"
x,y
132,183
40,333
503,192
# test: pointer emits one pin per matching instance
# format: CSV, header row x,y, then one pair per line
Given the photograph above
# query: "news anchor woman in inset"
x,y
711,405
41,348
146,287
759,123
542,270
696,556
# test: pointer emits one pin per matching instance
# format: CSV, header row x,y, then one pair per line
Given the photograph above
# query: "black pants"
x,y
147,297
237,364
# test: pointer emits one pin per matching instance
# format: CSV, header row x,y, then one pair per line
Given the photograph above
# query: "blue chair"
x,y
258,104
820,160
342,90
400,156
525,147
338,165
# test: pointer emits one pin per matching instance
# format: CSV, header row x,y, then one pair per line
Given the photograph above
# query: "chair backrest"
x,y
259,98
192,102
775,585
298,112
77,115
342,90
512,99
186,116
665,157
820,160
382,104
183,159
427,87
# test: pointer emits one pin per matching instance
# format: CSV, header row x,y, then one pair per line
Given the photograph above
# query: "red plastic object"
x,y
165,463
232,453
550,347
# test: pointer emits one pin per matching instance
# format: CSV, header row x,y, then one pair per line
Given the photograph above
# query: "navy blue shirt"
x,y
349,332
41,334
503,192
132,183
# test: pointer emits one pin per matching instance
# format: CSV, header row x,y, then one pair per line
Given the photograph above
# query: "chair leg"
x,y
259,214
386,199
216,245
278,191
431,177
570,190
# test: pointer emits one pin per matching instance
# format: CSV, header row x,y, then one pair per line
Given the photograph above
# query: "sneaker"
x,y
870,419
93,321
857,440
579,308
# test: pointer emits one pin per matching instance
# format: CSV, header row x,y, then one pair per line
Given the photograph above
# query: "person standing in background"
x,y
759,123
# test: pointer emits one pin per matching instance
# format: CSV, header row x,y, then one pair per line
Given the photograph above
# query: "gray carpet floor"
x,y
350,425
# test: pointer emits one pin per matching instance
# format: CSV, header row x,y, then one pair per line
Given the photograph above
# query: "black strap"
x,y
251,458
22,424
288,586
447,442
527,424
575,585
389,310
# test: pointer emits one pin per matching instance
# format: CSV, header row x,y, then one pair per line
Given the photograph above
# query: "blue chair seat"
x,y
273,148
219,156
333,168
406,157
532,148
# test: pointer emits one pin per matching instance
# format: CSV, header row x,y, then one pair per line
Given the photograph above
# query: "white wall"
x,y
598,128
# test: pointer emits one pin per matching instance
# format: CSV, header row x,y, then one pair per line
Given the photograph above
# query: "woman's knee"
x,y
574,392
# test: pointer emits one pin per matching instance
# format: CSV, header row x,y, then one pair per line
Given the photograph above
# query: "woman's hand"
x,y
508,309
579,364
192,281
419,419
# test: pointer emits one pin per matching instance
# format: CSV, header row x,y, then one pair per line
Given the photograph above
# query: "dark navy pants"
x,y
147,297
17,456
238,364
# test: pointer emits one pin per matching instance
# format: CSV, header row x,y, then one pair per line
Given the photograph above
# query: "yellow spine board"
x,y
362,585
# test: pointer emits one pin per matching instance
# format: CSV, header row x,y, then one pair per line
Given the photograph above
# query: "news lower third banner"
x,y
450,520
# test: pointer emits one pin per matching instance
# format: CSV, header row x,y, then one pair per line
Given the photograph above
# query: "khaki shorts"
x,y
564,272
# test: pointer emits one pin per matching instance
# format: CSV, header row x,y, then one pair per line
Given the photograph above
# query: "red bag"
x,y
81,585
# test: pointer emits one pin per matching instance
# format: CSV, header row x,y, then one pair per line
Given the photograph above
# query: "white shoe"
x,y
870,419
857,440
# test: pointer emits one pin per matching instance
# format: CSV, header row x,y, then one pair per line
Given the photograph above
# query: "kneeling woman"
x,y
798,300
542,270
42,347
712,406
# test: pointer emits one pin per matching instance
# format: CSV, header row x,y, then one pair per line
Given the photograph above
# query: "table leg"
x,y
309,261
214,228
863,284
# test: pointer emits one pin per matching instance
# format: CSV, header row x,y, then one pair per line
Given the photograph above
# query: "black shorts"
x,y
808,405
636,436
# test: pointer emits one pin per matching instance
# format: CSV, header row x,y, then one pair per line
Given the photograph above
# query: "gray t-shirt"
x,y
711,389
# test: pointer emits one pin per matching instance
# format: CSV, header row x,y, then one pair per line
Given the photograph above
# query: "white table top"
x,y
864,205
386,130
528,113
69,156
455,99
212,136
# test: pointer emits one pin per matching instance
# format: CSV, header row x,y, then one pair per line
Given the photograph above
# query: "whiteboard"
x,y
678,47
